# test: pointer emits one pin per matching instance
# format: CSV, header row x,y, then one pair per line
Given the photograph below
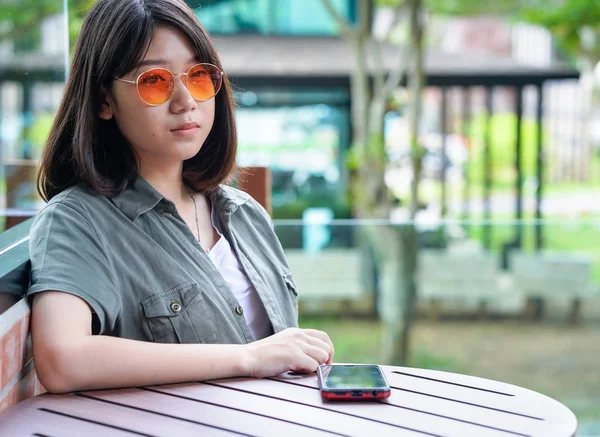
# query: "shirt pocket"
x,y
180,315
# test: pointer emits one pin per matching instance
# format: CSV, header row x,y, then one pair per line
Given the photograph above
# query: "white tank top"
x,y
226,261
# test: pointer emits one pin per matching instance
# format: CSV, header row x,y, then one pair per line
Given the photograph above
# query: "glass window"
x,y
270,17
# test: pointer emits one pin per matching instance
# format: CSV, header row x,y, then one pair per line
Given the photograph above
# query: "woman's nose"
x,y
181,100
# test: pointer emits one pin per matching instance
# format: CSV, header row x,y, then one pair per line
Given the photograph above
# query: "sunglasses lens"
x,y
204,81
155,86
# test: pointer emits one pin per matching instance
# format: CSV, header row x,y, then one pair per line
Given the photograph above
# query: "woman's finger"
x,y
317,342
305,364
322,336
316,353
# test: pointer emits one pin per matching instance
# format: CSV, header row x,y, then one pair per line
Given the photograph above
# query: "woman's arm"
x,y
69,358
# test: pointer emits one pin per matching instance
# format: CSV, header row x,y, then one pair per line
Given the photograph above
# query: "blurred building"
x,y
567,102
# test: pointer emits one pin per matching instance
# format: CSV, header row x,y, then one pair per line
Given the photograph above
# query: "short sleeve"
x,y
67,255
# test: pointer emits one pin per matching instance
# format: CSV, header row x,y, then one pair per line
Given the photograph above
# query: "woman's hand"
x,y
294,349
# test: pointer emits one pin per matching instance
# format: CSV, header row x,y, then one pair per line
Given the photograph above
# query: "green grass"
x,y
355,341
360,341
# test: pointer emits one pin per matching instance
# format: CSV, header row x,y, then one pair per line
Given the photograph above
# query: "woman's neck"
x,y
167,181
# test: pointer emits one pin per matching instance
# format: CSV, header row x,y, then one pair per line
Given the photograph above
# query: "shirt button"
x,y
239,310
175,307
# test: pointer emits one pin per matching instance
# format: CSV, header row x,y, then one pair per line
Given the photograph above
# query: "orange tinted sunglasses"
x,y
156,86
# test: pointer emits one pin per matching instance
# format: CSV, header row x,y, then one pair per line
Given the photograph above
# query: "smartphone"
x,y
352,382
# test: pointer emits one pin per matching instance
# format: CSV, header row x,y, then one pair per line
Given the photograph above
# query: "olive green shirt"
x,y
137,264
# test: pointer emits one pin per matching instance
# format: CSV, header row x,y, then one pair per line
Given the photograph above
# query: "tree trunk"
x,y
381,246
398,332
363,185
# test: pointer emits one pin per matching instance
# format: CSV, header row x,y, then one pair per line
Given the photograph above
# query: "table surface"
x,y
422,403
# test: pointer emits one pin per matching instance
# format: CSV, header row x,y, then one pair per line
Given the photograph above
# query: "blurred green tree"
x,y
372,89
20,20
574,24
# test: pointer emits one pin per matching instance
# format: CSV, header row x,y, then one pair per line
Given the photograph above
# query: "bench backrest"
x,y
447,275
18,380
329,274
556,273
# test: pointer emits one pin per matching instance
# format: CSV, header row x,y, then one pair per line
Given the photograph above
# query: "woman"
x,y
141,241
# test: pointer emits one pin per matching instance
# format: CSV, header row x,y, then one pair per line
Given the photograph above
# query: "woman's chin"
x,y
186,151
173,153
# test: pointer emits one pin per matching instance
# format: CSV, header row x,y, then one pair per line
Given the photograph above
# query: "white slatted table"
x,y
423,403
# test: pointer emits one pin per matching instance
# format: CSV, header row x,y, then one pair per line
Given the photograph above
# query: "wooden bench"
x,y
548,275
331,278
468,278
18,380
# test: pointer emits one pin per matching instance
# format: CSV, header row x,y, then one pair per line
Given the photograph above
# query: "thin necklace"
x,y
197,223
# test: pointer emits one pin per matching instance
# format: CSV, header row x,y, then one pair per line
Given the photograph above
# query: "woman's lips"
x,y
187,129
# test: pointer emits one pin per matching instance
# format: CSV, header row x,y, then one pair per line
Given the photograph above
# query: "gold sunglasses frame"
x,y
136,82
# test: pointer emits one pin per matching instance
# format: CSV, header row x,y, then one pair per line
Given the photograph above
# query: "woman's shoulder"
x,y
80,199
68,218
229,199
230,196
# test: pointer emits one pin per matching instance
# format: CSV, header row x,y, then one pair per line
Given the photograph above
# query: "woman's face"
x,y
155,131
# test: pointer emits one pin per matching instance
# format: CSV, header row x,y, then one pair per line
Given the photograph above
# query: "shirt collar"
x,y
141,197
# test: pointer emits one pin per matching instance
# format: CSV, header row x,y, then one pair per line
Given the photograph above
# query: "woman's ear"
x,y
106,107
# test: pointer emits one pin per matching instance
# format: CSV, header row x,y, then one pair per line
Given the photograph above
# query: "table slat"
x,y
430,406
235,420
301,414
369,411
25,420
557,419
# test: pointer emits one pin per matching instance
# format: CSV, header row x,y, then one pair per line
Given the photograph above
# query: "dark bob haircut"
x,y
84,149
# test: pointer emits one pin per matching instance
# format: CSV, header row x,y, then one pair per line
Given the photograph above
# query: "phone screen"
x,y
340,376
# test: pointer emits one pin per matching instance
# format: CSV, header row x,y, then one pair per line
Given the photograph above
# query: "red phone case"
x,y
354,395
350,394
